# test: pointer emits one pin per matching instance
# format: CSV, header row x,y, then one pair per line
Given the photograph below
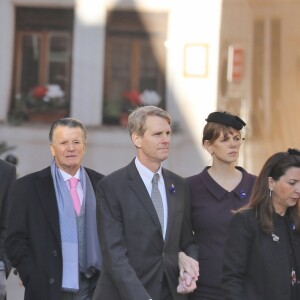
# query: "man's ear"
x,y
52,150
136,139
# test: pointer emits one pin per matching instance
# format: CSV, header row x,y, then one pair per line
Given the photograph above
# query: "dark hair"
x,y
212,131
67,122
138,117
275,167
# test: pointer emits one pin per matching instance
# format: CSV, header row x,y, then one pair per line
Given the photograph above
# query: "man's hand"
x,y
189,265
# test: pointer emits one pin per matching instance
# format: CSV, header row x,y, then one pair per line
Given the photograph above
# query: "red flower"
x,y
133,97
39,92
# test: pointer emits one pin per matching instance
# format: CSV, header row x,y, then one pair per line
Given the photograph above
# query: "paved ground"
x,y
14,290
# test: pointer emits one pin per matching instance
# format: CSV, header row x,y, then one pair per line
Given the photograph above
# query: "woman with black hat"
x,y
215,193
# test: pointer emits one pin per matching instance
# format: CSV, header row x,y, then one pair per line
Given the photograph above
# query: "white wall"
x,y
6,54
189,99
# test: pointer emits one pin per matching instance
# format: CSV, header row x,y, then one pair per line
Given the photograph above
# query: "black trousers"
x,y
86,289
165,290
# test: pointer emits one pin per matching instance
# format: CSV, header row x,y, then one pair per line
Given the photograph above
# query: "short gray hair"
x,y
67,122
137,119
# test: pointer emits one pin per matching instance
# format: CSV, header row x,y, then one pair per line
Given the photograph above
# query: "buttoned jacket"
x,y
135,254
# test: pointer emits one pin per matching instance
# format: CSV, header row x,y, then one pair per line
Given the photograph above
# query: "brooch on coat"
x,y
243,194
275,237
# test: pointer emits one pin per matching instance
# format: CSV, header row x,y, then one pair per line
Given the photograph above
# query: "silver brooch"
x,y
275,237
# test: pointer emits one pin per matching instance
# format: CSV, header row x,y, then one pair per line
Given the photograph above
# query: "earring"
x,y
270,193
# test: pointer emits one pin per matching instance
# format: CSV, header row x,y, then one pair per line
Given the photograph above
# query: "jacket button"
x,y
54,253
51,280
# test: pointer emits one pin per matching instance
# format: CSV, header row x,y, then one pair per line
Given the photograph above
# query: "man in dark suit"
x,y
140,239
52,235
7,180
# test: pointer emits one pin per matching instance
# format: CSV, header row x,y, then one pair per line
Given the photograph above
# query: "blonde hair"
x,y
138,117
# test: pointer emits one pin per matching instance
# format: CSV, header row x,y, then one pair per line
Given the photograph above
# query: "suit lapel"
x,y
137,185
171,200
47,197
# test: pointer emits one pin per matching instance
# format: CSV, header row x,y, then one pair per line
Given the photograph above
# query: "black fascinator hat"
x,y
293,151
226,119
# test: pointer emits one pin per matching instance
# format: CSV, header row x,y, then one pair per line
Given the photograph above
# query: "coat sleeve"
x,y
113,245
236,253
10,179
17,242
187,243
7,186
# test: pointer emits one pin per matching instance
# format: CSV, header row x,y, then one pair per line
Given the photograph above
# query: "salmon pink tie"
x,y
73,189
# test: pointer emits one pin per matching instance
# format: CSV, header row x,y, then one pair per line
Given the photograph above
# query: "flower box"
x,y
46,116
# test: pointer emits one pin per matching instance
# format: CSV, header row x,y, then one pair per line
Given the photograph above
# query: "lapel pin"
x,y
243,194
172,189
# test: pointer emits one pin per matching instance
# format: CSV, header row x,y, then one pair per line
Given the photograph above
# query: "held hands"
x,y
189,273
186,284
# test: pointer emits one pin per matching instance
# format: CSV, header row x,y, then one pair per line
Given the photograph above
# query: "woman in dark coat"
x,y
261,258
215,193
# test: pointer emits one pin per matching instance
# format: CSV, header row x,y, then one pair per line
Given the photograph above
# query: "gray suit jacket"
x,y
135,256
